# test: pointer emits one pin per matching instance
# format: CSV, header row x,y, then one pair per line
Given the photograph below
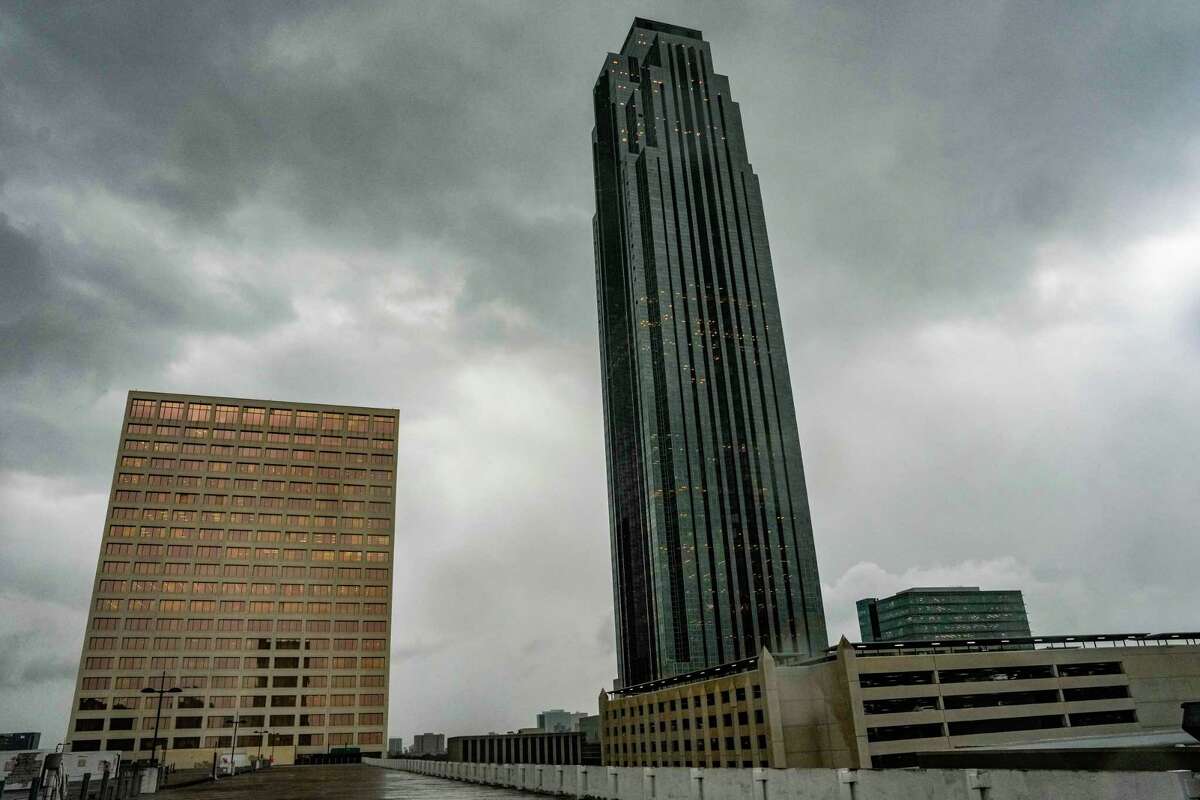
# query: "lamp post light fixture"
x,y
160,691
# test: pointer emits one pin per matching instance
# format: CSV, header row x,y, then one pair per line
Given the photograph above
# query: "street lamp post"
x,y
264,733
160,691
233,745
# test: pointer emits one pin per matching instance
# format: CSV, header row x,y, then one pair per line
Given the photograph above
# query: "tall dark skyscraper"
x,y
712,542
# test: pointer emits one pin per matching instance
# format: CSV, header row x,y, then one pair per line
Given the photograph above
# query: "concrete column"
x,y
978,784
648,787
581,781
760,783
614,779
697,783
847,784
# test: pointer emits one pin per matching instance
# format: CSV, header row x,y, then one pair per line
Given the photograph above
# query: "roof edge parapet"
x,y
660,27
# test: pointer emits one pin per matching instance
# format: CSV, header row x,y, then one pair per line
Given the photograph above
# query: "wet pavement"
x,y
342,782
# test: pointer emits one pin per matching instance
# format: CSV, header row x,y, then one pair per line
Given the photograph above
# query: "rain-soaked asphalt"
x,y
348,782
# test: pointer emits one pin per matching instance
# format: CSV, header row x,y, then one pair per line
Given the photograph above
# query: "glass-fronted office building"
x,y
943,612
711,536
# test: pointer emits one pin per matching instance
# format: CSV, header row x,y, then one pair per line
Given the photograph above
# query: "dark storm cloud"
x,y
88,312
89,318
932,148
390,204
26,280
356,120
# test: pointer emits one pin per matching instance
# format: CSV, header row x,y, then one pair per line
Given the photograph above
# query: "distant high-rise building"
x,y
395,746
429,744
951,612
556,720
246,559
712,541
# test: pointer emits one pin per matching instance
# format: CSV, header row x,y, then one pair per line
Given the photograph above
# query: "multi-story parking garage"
x,y
879,704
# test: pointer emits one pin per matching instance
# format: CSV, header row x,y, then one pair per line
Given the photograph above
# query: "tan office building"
x,y
880,704
247,555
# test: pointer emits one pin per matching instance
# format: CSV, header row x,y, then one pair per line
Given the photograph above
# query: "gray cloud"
x,y
983,221
24,666
80,320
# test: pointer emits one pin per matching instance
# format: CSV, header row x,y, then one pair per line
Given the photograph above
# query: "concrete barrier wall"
x,y
676,783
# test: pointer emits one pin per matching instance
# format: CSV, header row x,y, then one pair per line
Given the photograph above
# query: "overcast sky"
x,y
985,219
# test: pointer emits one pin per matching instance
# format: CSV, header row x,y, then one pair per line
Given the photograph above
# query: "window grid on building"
x,y
715,723
247,553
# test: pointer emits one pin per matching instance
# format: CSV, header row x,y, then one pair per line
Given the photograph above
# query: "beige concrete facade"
x,y
639,783
878,708
973,699
718,721
247,554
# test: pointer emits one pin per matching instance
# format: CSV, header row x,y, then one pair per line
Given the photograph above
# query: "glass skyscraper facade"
x,y
711,536
943,612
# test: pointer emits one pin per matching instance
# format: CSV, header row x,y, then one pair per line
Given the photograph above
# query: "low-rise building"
x,y
19,741
878,704
589,726
534,747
